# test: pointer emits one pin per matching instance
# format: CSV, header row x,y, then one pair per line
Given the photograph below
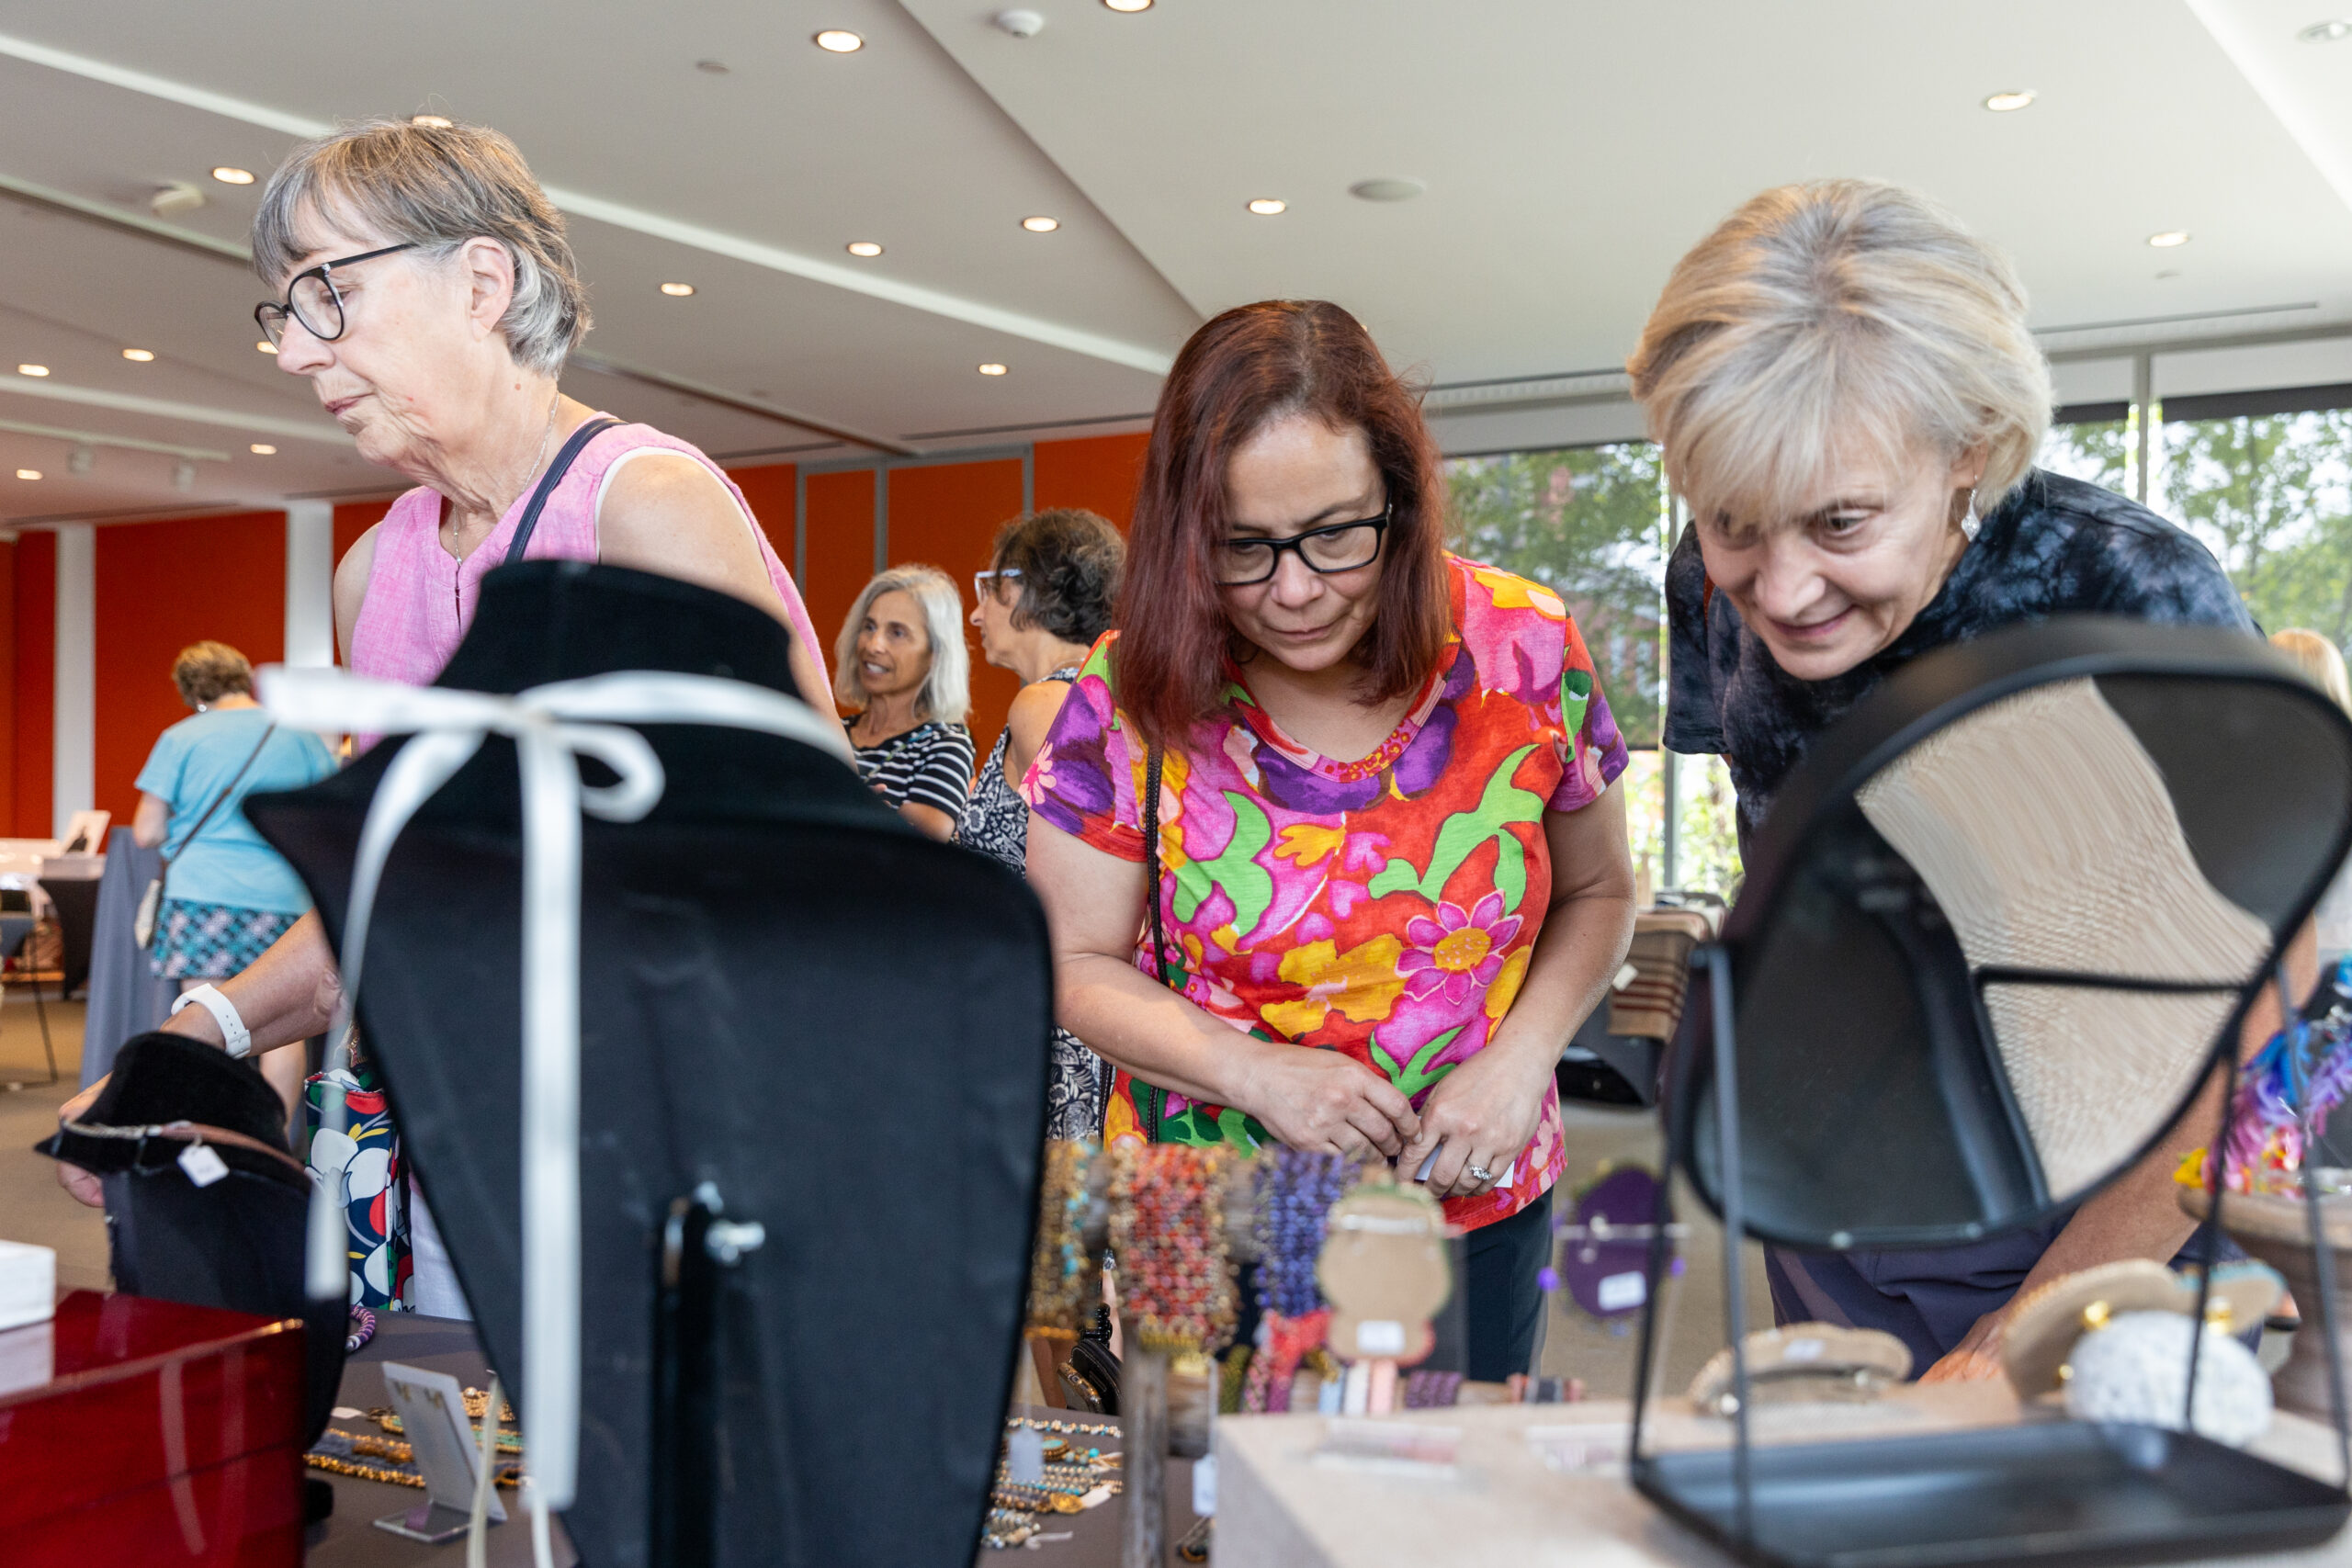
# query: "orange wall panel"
x,y
1098,472
769,489
7,687
160,587
354,518
947,516
840,549
35,685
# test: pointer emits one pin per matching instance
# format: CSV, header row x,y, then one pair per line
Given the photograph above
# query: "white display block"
x,y
1545,1483
28,1284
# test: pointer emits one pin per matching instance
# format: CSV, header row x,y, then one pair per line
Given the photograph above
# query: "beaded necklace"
x,y
1299,1189
1061,1271
1168,1228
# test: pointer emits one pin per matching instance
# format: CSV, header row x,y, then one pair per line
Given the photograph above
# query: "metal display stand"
x,y
2054,1492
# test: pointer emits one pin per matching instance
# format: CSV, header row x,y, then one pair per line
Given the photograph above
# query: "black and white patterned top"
x,y
996,823
930,765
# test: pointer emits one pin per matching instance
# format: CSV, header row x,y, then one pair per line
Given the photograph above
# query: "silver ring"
x,y
1479,1173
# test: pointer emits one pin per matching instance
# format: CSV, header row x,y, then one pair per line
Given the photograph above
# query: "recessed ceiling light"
x,y
677,291
1267,206
991,368
2328,32
432,121
2168,239
711,67
840,40
261,450
2009,102
1386,189
32,369
266,346
229,176
1128,4
865,248
1041,225
28,473
139,355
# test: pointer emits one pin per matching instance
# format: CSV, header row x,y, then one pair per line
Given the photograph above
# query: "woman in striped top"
x,y
900,660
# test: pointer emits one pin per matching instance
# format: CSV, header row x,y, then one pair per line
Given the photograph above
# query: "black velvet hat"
x,y
161,1078
232,1242
786,993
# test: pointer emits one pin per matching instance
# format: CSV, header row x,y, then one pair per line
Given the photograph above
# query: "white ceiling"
x,y
1571,150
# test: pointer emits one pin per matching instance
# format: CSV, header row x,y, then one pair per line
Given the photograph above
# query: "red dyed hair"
x,y
1251,367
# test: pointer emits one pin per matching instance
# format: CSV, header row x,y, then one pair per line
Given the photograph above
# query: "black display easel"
x,y
2055,1492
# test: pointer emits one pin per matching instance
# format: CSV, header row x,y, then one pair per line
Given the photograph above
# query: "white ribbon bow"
x,y
552,726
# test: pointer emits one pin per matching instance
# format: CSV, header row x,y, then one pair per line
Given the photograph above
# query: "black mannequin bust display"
x,y
785,992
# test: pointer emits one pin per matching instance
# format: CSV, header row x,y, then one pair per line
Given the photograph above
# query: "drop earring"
x,y
1971,525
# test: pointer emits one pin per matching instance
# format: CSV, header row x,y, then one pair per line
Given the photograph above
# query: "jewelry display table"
x,y
1094,1535
1278,1506
349,1538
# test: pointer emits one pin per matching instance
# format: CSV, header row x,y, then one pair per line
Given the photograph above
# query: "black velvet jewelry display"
x,y
786,992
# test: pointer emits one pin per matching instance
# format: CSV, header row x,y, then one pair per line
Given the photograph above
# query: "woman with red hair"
x,y
1382,778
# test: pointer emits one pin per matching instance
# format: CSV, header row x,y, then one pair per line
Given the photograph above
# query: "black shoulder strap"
x,y
588,431
226,791
1151,1100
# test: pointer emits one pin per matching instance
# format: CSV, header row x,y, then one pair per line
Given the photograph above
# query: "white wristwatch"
x,y
235,1037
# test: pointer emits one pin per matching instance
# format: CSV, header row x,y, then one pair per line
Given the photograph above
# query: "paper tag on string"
x,y
1025,1457
1205,1486
203,1166
1623,1293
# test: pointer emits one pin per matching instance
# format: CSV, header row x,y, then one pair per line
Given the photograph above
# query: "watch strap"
x,y
236,1038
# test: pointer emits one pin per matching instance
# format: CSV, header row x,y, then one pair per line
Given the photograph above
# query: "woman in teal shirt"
x,y
227,895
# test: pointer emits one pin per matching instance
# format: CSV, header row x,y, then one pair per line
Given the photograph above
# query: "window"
x,y
1592,524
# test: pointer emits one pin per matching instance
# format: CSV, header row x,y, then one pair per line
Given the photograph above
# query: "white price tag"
x,y
203,1166
1803,1350
1380,1336
1205,1486
1623,1293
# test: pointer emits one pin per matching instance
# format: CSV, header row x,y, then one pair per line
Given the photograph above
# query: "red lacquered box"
x,y
154,1433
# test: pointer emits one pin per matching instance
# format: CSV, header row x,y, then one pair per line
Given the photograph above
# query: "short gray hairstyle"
x,y
434,187
1820,317
946,694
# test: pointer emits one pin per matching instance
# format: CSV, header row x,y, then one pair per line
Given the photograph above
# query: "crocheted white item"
x,y
2136,1368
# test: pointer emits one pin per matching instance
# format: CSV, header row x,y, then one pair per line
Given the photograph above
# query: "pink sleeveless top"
x,y
421,599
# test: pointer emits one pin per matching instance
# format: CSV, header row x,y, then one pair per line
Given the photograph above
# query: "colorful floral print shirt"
x,y
1384,908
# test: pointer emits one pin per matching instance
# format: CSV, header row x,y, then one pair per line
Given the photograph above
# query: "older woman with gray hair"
x,y
902,663
426,290
1849,402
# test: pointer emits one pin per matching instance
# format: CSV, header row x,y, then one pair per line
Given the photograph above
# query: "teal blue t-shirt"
x,y
229,862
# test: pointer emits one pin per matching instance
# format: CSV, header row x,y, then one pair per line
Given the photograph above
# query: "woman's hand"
x,y
1976,1357
1322,1101
1483,1113
72,1177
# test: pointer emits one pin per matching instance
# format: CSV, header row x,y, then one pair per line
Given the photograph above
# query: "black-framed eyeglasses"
x,y
984,584
1335,546
312,299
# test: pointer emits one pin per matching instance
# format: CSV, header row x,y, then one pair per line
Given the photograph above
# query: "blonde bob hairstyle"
x,y
434,187
1836,320
2319,659
947,694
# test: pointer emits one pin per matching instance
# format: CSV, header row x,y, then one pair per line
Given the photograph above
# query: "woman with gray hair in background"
x,y
1850,402
902,663
426,288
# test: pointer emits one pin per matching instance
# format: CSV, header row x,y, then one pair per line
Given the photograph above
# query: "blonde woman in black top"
x,y
902,663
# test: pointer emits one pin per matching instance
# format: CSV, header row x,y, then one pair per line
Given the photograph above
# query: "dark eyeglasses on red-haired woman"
x,y
1393,871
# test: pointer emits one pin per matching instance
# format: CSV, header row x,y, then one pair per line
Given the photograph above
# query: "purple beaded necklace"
x,y
1301,1189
